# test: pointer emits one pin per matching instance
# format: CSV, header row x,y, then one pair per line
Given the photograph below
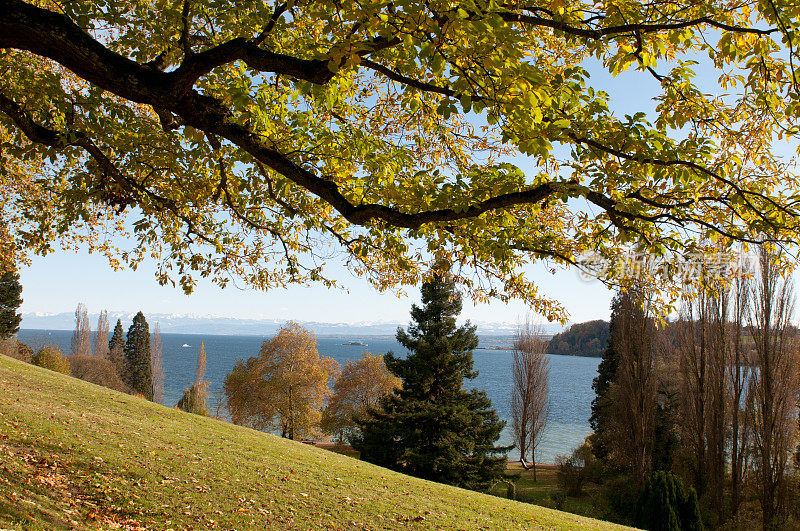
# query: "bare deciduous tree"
x,y
157,364
634,390
773,383
101,338
82,336
739,399
692,338
703,343
529,407
716,425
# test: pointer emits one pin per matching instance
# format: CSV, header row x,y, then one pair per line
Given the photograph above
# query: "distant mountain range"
x,y
192,324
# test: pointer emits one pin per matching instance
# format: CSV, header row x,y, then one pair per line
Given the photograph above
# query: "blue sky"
x,y
57,282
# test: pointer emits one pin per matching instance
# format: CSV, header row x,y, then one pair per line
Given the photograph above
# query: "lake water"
x,y
570,376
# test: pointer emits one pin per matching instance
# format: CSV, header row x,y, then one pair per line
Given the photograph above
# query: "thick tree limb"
x,y
55,36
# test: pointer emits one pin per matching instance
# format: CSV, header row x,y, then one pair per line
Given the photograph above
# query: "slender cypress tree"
x,y
137,357
433,428
10,301
116,350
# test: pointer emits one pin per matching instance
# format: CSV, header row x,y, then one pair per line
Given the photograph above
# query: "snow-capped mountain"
x,y
212,324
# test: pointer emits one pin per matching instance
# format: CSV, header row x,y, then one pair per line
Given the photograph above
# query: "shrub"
x,y
13,348
665,505
577,468
9,347
24,352
50,357
570,475
194,399
559,498
97,370
592,466
619,498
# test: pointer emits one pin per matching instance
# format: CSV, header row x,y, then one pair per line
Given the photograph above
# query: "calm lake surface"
x,y
570,376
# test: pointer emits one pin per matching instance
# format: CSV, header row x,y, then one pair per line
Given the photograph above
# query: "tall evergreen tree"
x,y
116,350
10,301
137,357
433,428
602,383
117,338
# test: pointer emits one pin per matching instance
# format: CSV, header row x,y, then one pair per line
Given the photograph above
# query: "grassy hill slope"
x,y
75,455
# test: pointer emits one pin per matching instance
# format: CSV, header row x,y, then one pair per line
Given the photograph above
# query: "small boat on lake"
x,y
185,345
356,343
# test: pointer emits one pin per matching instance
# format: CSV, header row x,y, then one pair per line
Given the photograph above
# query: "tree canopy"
x,y
284,387
361,385
581,339
243,139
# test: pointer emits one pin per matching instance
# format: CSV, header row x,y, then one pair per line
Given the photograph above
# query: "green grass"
x,y
546,490
75,455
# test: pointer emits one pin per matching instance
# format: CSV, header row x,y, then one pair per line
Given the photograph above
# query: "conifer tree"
x,y
665,504
10,300
116,350
137,357
601,384
433,428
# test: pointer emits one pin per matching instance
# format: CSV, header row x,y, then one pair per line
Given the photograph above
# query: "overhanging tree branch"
x,y
599,33
55,36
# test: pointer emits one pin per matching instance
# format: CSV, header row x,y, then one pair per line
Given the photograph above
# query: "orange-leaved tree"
x,y
361,385
284,387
